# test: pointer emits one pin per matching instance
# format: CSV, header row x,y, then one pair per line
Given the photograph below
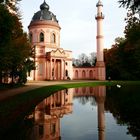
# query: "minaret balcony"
x,y
100,16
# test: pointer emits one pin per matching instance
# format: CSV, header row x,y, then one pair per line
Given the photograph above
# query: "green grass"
x,y
16,107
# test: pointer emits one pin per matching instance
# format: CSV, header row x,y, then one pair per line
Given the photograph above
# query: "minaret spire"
x,y
100,41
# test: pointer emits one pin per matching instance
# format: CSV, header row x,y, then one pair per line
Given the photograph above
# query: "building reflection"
x,y
48,113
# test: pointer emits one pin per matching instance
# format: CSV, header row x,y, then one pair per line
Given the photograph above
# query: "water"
x,y
90,113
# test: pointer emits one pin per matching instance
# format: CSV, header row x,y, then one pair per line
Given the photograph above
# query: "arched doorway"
x,y
91,74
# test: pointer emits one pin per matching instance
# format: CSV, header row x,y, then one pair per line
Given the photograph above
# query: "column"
x,y
62,69
54,67
51,69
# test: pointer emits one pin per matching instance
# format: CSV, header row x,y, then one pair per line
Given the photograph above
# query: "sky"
x,y
77,21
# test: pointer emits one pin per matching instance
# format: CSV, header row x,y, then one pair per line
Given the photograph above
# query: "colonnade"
x,y
57,69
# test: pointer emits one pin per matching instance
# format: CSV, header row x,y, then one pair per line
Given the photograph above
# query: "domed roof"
x,y
99,3
44,13
44,5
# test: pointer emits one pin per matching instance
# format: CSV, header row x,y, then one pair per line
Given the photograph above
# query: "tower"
x,y
100,65
51,61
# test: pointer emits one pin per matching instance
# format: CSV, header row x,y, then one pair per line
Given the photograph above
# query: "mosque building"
x,y
53,62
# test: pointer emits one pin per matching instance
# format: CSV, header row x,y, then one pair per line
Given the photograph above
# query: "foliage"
x,y
134,5
15,48
123,59
10,4
84,60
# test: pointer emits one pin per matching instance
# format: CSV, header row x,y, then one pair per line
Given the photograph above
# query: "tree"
x,y
15,48
84,60
11,5
113,63
123,59
92,58
133,5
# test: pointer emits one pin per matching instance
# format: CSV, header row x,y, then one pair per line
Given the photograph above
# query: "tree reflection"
x,y
85,99
124,104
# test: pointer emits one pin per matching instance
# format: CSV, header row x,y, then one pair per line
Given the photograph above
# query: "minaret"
x,y
100,42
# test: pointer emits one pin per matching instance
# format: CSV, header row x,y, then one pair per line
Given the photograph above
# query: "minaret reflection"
x,y
100,99
48,113
99,93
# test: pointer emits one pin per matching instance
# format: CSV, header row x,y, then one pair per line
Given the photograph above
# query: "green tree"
x,y
15,48
123,59
124,62
11,4
84,60
133,5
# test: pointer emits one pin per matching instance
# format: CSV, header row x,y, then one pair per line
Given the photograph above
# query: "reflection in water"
x,y
99,93
47,114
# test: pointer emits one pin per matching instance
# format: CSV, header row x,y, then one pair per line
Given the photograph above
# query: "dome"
x,y
99,3
44,13
44,6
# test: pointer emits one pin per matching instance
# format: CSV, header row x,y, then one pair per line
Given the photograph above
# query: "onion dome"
x,y
44,6
44,14
99,3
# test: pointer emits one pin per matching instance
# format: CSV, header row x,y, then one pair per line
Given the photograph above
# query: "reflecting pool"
x,y
87,113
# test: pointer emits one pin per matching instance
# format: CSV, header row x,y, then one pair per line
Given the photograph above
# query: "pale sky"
x,y
77,21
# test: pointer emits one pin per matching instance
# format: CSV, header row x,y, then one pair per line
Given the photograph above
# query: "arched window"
x,y
41,37
53,38
66,72
31,37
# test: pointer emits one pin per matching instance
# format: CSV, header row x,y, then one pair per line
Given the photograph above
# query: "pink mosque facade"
x,y
53,62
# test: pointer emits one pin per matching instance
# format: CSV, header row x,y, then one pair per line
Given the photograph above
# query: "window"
x,y
53,38
66,72
41,37
31,37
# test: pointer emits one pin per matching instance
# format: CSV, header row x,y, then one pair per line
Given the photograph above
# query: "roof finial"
x,y
44,6
99,3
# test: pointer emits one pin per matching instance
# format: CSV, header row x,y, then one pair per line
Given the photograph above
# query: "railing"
x,y
100,15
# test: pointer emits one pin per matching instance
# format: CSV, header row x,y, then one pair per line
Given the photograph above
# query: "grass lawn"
x,y
16,107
